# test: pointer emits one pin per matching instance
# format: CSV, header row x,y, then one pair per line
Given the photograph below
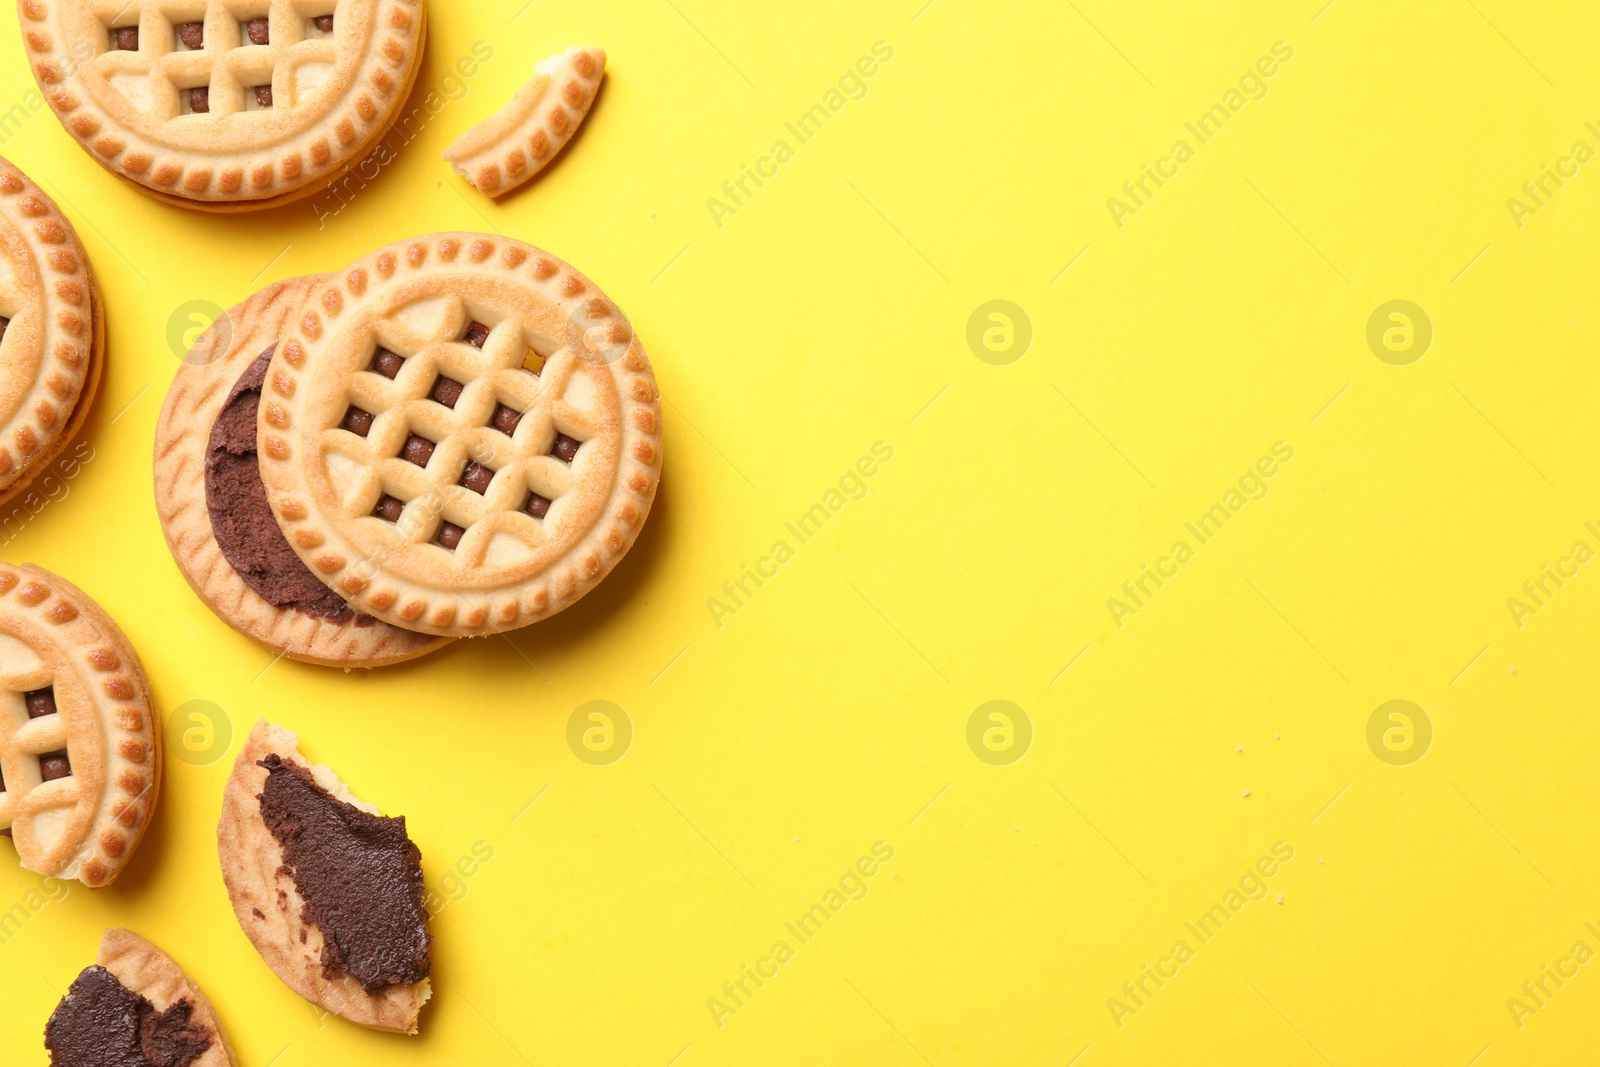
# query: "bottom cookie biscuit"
x,y
135,1008
326,888
214,512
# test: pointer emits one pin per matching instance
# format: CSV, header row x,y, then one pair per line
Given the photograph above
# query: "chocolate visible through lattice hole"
x,y
565,448
40,702
322,23
449,535
417,450
477,477
446,391
389,508
192,35
53,765
257,31
537,506
357,421
386,363
200,100
4,322
505,419
477,333
263,96
125,39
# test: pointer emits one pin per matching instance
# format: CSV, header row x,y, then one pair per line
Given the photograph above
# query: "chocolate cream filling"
x,y
241,519
102,1023
359,874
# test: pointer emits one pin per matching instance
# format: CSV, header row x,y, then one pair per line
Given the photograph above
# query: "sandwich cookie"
x,y
52,332
460,434
224,106
80,757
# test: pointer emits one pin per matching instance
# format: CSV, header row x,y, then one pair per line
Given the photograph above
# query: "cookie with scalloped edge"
x,y
460,435
516,142
52,332
80,752
215,518
206,107
168,1008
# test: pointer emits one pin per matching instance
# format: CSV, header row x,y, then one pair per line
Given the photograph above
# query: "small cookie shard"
x,y
134,1008
327,889
80,758
516,142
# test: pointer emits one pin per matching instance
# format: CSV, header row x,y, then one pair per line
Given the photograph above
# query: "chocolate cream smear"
x,y
102,1023
359,874
241,519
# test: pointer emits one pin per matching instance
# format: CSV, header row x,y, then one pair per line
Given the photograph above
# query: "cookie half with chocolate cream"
x,y
327,889
214,512
135,1008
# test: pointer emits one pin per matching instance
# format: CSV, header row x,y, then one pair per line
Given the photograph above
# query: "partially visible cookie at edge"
x,y
52,332
135,1006
290,836
80,754
214,513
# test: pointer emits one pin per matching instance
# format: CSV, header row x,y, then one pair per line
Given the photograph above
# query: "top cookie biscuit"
x,y
220,103
460,435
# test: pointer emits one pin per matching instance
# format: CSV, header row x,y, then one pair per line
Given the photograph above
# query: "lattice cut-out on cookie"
x,y
229,48
487,512
79,757
225,101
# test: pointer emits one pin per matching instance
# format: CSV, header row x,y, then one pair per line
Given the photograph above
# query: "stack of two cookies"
x,y
457,435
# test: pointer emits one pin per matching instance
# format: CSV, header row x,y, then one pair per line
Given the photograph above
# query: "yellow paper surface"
x,y
811,311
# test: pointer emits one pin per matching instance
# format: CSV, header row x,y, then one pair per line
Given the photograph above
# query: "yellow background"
x,y
830,712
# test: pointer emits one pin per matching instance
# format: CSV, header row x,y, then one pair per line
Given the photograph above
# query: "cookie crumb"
x,y
1513,668
1280,898
1246,792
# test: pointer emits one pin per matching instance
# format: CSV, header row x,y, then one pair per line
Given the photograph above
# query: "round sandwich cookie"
x,y
223,105
327,889
516,142
460,435
135,1008
214,511
80,757
52,332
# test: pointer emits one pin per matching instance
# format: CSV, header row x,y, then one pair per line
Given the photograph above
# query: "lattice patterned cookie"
x,y
80,755
225,104
244,570
515,143
461,434
52,332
